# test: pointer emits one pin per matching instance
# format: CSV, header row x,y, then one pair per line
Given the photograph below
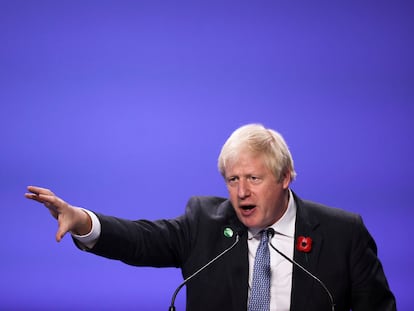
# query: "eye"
x,y
255,179
232,180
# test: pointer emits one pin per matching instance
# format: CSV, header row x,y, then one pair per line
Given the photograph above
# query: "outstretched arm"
x,y
70,218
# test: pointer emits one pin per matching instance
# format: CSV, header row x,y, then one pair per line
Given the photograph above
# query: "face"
x,y
258,197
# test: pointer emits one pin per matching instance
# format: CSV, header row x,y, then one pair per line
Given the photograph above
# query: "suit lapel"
x,y
302,283
236,266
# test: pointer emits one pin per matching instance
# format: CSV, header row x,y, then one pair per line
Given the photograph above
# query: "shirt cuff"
x,y
89,240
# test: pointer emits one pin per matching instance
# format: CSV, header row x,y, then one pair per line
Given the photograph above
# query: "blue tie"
x,y
260,291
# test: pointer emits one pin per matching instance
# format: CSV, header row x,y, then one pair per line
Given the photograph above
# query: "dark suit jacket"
x,y
343,256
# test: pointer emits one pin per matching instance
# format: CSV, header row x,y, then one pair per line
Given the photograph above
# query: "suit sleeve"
x,y
160,243
370,290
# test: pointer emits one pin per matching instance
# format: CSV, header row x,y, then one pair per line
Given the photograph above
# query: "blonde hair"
x,y
259,140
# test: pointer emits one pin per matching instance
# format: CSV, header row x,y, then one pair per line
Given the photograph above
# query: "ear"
x,y
286,179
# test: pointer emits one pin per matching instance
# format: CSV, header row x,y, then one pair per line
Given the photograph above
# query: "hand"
x,y
69,218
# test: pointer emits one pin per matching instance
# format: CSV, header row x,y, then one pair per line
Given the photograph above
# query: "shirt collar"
x,y
285,225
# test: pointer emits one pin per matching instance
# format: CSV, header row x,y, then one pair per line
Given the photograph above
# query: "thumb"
x,y
59,235
62,230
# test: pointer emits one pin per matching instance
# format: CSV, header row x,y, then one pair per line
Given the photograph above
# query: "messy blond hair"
x,y
259,140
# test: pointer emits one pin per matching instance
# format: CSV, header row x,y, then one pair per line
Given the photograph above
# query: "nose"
x,y
243,190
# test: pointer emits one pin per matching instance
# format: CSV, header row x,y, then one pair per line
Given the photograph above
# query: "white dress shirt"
x,y
281,269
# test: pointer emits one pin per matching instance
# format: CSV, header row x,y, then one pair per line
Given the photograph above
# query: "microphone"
x,y
227,233
270,233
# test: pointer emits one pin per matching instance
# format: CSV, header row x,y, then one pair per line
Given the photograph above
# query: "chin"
x,y
251,225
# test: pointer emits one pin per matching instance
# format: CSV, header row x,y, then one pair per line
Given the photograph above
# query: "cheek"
x,y
232,192
232,196
234,202
269,201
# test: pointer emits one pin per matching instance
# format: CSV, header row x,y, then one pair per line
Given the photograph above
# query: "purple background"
x,y
122,107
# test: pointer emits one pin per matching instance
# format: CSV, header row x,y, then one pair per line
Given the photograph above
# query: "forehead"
x,y
246,163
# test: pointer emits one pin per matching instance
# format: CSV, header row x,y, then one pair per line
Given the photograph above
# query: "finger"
x,y
39,190
38,197
49,200
53,203
33,196
34,193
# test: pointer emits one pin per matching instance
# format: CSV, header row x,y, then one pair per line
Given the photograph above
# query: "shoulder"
x,y
325,212
206,200
312,211
211,211
331,220
337,226
208,205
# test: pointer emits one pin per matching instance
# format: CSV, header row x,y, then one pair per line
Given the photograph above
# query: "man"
x,y
324,258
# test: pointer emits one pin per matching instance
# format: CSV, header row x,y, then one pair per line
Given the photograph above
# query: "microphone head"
x,y
241,231
270,232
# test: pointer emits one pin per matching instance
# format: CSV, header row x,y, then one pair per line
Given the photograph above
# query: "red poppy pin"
x,y
304,244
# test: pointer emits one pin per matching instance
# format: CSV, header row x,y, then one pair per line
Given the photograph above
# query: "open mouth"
x,y
247,207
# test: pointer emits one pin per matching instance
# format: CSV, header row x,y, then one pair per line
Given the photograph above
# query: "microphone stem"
x,y
308,273
172,307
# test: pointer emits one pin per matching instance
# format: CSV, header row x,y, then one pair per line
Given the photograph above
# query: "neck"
x,y
283,206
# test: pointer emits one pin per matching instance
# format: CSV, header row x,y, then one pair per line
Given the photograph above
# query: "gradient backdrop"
x,y
115,105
